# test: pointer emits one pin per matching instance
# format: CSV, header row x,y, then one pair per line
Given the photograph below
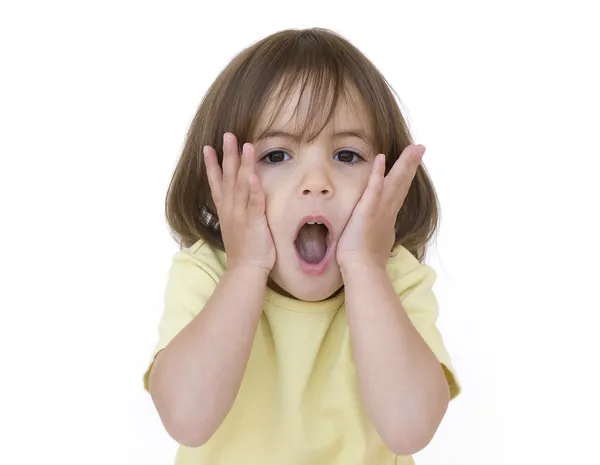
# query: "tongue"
x,y
311,242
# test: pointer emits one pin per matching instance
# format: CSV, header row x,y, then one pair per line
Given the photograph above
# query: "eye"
x,y
276,156
348,156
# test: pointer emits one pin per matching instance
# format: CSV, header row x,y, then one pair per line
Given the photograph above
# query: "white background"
x,y
95,101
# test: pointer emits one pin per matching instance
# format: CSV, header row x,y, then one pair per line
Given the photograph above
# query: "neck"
x,y
275,287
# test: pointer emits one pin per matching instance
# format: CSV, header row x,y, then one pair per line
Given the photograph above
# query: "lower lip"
x,y
315,269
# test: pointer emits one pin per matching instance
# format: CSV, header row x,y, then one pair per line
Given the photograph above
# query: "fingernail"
x,y
205,150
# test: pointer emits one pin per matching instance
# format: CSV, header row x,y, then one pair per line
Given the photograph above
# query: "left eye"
x,y
348,156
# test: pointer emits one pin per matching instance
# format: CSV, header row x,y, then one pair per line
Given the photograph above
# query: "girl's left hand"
x,y
369,234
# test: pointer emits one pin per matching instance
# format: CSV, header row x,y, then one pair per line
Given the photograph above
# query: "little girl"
x,y
299,324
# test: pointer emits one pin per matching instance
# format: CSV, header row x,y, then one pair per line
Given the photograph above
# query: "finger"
x,y
231,163
377,175
374,188
242,186
256,202
213,172
407,163
401,175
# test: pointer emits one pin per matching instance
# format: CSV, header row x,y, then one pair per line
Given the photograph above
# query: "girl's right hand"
x,y
240,202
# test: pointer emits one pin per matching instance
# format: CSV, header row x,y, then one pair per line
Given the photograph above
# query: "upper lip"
x,y
317,218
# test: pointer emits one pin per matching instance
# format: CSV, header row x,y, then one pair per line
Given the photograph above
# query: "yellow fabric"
x,y
299,401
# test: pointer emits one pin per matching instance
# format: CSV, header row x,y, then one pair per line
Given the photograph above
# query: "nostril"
x,y
309,191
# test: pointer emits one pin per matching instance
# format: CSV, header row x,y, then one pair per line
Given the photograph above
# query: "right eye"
x,y
276,156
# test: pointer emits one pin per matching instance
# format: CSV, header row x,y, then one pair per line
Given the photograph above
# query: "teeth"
x,y
313,222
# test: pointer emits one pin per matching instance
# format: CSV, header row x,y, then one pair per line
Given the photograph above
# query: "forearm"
x,y
195,379
401,381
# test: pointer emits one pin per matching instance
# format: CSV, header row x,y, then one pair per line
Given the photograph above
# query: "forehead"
x,y
309,111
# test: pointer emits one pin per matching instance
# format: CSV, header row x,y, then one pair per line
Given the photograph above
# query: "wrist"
x,y
360,267
249,272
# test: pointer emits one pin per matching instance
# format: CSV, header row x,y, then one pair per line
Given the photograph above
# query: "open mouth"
x,y
312,242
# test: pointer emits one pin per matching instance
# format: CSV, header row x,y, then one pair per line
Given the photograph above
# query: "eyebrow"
x,y
358,133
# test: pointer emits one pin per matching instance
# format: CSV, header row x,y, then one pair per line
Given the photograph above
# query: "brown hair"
x,y
328,65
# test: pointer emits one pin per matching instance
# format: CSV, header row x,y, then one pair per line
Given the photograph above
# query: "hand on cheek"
x,y
240,200
369,234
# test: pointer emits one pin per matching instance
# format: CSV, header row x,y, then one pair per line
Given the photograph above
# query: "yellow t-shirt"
x,y
299,402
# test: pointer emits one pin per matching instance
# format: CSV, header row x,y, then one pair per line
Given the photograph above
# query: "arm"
x,y
195,379
401,381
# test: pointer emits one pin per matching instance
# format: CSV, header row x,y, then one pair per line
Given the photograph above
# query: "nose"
x,y
316,182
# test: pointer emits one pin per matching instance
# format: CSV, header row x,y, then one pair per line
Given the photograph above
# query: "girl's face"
x,y
321,182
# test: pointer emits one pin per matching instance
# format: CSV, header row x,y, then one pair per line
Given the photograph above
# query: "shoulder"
x,y
199,258
406,272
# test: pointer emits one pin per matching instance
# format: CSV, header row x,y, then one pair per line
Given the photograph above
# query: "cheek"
x,y
268,179
275,200
365,174
353,184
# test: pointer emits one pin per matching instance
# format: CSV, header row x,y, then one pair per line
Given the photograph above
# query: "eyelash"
x,y
265,158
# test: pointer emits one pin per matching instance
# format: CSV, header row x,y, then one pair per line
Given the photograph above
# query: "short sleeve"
x,y
413,282
190,283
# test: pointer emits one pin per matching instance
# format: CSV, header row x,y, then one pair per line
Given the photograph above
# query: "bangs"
x,y
314,72
315,96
